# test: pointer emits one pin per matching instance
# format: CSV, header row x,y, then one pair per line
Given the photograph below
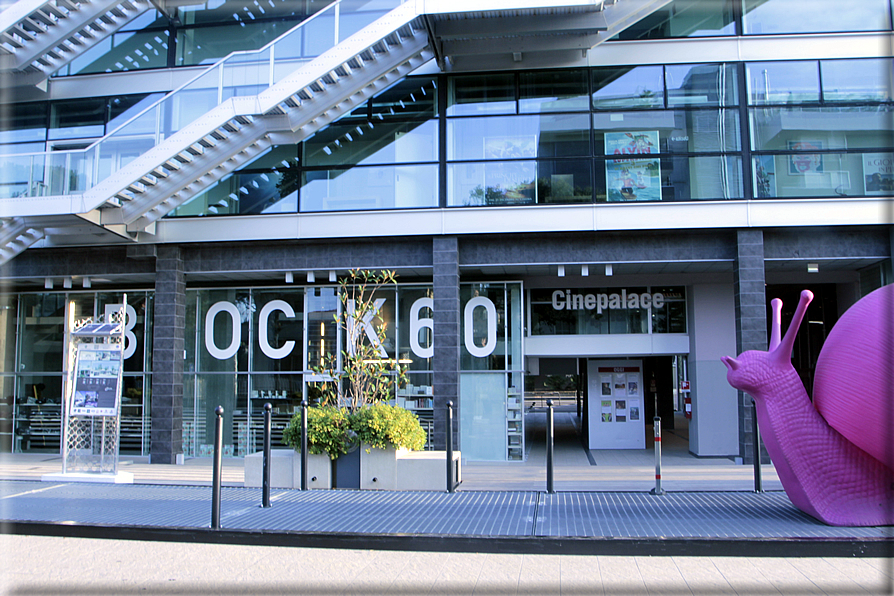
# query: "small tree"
x,y
367,375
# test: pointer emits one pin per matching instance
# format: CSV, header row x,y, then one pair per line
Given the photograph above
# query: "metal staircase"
x,y
162,158
41,36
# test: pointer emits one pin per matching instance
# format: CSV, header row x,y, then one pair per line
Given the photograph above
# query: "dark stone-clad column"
x,y
751,322
445,362
169,322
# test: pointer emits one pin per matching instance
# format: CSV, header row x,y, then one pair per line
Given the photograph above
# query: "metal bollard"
x,y
304,444
216,468
758,480
550,440
451,483
265,482
657,490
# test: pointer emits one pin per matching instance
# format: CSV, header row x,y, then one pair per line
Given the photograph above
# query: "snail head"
x,y
756,372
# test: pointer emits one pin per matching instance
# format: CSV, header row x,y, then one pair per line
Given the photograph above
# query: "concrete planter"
x,y
380,469
285,469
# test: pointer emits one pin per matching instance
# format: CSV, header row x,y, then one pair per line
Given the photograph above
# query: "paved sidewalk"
x,y
47,565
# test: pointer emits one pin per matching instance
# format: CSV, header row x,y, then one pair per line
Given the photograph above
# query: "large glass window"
x,y
858,80
678,131
628,87
518,137
470,95
552,91
379,187
685,18
600,311
783,82
815,16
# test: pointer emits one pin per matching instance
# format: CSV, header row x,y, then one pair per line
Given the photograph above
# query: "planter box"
x,y
380,469
285,469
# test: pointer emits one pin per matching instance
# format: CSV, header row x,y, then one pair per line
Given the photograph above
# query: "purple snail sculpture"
x,y
835,456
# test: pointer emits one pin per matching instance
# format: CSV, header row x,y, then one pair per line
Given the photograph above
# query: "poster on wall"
x,y
878,173
97,371
637,179
606,410
633,179
633,412
805,163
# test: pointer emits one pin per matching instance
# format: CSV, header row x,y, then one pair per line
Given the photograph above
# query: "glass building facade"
x,y
655,157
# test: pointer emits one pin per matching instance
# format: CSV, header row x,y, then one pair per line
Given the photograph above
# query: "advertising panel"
x,y
97,375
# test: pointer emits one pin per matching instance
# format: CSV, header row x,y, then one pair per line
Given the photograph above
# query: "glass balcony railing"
x,y
243,73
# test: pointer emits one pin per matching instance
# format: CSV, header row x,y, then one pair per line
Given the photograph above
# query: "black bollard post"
x,y
216,468
451,483
304,444
758,480
265,482
550,488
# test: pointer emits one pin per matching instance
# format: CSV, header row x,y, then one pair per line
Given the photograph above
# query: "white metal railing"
x,y
241,73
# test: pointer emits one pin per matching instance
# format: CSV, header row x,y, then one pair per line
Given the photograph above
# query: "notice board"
x,y
616,404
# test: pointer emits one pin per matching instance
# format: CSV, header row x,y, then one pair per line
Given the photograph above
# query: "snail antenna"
x,y
776,325
783,351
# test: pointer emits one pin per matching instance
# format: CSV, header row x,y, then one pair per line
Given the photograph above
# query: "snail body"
x,y
834,464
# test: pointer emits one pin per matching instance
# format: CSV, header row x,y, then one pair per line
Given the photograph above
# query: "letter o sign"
x,y
490,343
230,350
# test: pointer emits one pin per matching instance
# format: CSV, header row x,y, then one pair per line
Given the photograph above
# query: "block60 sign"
x,y
479,318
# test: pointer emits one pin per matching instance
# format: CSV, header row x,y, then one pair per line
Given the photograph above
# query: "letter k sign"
x,y
365,323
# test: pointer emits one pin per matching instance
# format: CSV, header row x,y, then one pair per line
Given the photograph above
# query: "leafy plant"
x,y
327,431
383,425
367,375
334,430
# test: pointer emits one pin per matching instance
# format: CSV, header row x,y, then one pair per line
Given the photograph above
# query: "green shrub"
x,y
332,430
382,425
327,431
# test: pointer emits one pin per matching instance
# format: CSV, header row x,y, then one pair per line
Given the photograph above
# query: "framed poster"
x,y
633,179
631,143
614,404
878,173
97,375
805,163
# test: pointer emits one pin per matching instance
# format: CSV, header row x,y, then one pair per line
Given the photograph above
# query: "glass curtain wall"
x,y
605,134
259,345
33,367
491,400
822,128
192,34
638,133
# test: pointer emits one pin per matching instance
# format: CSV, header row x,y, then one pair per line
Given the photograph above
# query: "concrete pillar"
x,y
445,362
751,321
169,323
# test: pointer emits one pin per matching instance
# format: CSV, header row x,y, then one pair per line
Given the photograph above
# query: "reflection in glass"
x,y
707,177
782,82
367,143
807,129
701,84
519,183
815,16
552,91
481,94
381,187
858,80
824,174
679,131
515,137
628,87
685,18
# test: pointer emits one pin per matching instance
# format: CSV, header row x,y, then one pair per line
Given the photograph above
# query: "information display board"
x,y
616,410
97,378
